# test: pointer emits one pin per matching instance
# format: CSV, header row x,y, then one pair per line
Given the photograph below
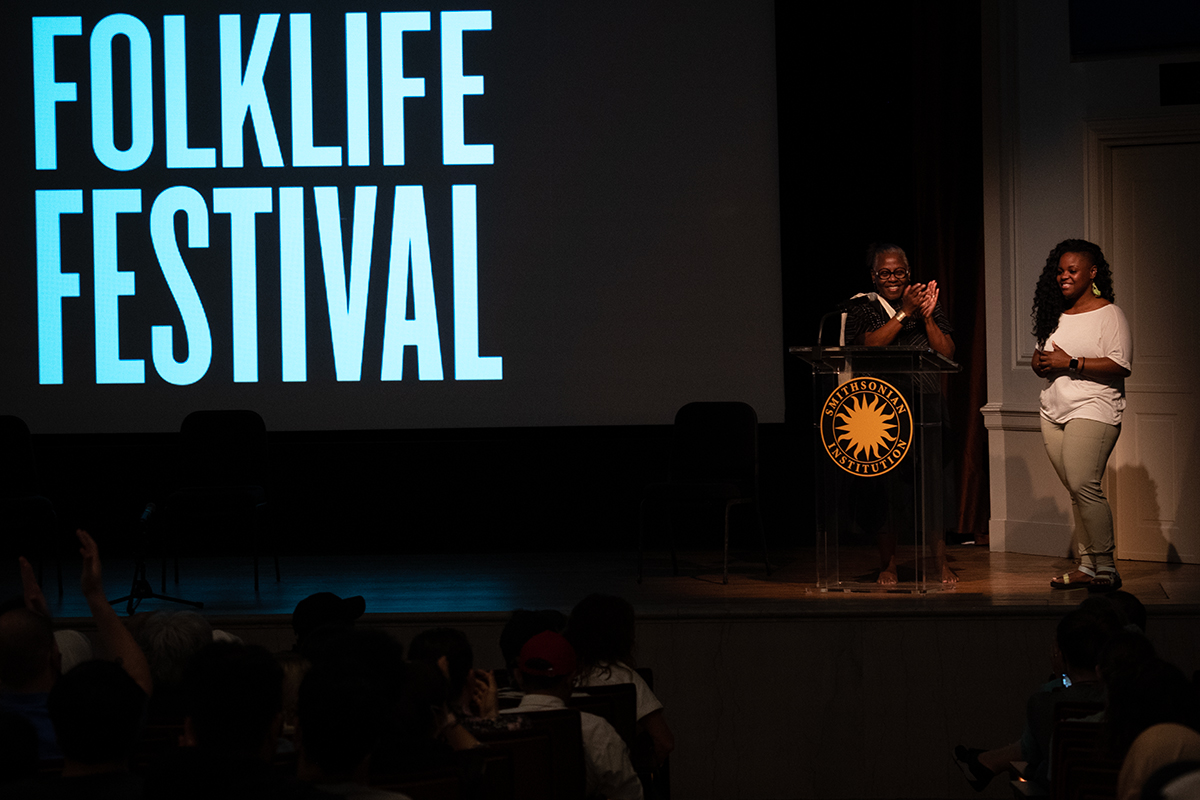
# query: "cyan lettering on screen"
x,y
182,218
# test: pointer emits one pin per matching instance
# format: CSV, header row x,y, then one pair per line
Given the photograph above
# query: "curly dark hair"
x,y
1048,303
601,629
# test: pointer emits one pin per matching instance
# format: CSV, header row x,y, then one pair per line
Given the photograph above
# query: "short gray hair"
x,y
170,639
877,249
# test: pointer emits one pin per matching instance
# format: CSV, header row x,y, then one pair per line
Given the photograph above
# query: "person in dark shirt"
x,y
30,661
233,698
900,312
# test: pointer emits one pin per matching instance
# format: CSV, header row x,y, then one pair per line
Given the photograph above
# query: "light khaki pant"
x,y
1079,451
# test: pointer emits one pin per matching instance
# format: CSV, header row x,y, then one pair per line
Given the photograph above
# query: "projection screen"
x,y
388,215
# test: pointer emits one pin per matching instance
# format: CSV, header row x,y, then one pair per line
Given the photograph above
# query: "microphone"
x,y
147,511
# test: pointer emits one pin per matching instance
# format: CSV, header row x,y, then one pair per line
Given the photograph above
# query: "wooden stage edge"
x,y
484,588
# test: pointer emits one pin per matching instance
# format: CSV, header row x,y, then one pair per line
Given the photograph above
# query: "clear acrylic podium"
x,y
878,463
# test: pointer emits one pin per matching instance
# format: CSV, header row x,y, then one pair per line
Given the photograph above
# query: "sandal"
x,y
1104,582
1065,581
976,774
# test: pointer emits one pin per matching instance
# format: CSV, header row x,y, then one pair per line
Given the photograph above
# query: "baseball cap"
x,y
324,608
548,654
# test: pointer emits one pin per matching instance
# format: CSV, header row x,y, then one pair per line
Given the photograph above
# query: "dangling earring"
x,y
1095,290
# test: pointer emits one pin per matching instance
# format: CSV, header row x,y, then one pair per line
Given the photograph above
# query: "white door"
x,y
1154,474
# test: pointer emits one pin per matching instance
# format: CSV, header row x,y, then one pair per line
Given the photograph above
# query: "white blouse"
x,y
1102,333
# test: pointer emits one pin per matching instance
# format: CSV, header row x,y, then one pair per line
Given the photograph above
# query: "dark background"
x,y
879,139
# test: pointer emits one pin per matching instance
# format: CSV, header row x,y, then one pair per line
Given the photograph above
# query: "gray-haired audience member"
x,y
170,639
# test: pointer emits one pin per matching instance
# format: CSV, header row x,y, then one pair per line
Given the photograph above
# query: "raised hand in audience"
x,y
484,702
115,638
91,581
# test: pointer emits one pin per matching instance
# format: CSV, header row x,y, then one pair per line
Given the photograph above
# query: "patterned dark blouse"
x,y
863,319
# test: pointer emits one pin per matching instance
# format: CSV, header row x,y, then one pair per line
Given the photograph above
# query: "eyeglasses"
x,y
888,274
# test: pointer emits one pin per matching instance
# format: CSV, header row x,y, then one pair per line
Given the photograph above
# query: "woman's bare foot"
x,y
948,575
888,575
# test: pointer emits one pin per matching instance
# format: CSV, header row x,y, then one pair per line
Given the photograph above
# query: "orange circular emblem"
x,y
866,426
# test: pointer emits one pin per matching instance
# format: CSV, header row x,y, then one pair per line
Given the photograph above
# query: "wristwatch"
x,y
900,317
1074,365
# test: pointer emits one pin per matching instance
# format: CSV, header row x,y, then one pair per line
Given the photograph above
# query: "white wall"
x,y
1045,126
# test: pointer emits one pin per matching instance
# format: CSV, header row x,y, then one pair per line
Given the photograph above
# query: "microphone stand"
x,y
841,308
141,589
821,324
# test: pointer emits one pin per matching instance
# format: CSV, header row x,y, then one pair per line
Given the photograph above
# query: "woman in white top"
x,y
1084,351
601,629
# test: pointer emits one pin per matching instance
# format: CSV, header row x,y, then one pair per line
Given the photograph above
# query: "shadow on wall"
x,y
1139,488
1187,548
1044,507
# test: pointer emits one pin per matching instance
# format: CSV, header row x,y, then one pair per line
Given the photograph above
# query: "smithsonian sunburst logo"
x,y
866,426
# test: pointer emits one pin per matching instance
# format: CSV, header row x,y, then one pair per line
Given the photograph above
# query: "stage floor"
x,y
494,584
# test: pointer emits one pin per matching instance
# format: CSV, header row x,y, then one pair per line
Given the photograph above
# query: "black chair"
x,y
223,465
547,759
442,784
481,773
27,518
714,459
1079,765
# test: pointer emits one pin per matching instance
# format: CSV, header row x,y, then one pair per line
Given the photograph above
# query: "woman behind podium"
x,y
899,312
